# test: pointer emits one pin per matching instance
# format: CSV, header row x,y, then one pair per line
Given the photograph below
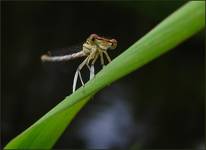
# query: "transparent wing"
x,y
66,50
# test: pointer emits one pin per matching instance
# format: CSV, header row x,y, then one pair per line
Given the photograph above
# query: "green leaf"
x,y
176,28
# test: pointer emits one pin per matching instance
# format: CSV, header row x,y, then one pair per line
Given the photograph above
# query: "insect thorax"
x,y
87,49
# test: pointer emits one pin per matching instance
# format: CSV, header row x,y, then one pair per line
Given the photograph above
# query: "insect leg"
x,y
95,58
91,72
88,66
78,73
108,58
92,66
75,81
80,77
102,59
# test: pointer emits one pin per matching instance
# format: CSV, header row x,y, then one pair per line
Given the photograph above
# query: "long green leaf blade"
x,y
179,26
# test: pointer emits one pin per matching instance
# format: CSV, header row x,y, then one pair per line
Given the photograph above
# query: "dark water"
x,y
161,105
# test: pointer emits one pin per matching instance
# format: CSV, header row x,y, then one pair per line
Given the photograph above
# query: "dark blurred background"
x,y
161,105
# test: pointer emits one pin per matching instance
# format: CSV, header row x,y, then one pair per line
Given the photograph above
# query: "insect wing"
x,y
65,51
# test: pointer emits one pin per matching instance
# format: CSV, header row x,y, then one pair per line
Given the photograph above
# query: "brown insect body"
x,y
94,47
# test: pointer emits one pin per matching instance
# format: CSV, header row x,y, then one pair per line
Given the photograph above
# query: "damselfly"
x,y
94,47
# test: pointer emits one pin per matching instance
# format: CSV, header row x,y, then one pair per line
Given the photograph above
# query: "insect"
x,y
94,47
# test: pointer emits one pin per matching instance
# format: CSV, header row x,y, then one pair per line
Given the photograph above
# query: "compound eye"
x,y
93,36
114,43
92,39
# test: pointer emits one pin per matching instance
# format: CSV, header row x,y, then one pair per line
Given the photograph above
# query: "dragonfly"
x,y
93,48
